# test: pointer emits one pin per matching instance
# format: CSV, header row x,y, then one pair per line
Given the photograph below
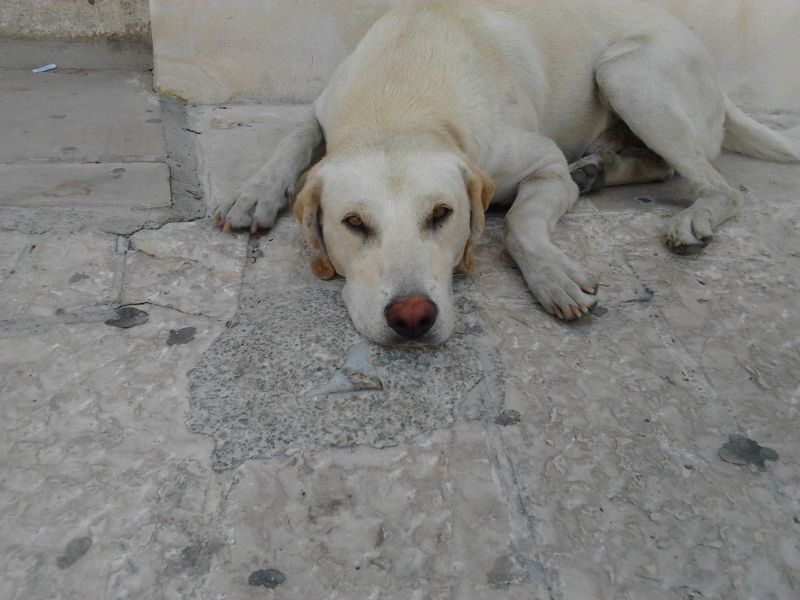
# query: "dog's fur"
x,y
454,104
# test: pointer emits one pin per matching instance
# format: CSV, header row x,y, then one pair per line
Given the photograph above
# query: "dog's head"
x,y
395,226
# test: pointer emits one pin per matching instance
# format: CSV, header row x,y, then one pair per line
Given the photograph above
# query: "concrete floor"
x,y
221,447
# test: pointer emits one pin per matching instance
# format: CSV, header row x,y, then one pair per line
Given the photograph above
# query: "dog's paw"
x,y
253,207
562,287
589,174
689,231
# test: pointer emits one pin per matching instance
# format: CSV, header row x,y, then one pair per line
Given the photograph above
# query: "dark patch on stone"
x,y
58,116
255,252
268,578
74,549
181,336
128,317
68,149
196,557
153,121
598,311
78,277
645,200
507,417
504,572
741,450
646,297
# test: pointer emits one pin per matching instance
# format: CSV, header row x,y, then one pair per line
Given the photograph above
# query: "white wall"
x,y
278,51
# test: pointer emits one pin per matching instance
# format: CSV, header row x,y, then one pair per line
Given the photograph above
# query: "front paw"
x,y
562,287
253,207
689,231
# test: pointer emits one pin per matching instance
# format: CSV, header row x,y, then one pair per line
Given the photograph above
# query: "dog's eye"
x,y
440,214
355,223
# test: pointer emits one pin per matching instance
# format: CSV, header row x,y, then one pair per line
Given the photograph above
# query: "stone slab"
x,y
112,185
271,384
94,445
188,266
338,523
59,273
79,116
236,141
103,55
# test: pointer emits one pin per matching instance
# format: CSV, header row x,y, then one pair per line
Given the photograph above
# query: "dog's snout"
x,y
411,316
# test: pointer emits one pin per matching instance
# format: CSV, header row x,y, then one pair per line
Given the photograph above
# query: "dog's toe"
x,y
589,177
689,232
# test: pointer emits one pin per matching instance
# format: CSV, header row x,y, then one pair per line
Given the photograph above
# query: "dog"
x,y
447,106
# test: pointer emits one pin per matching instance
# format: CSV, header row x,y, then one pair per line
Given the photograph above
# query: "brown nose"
x,y
411,316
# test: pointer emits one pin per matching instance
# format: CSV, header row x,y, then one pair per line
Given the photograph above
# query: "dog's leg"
x,y
618,157
560,285
260,199
677,109
604,168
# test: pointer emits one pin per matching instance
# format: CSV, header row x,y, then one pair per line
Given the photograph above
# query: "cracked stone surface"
x,y
243,442
246,391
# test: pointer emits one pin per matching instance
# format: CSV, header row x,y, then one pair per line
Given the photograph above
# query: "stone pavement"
x,y
239,440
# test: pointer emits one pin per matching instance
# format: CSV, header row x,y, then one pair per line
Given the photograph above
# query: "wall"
x,y
214,51
756,44
76,20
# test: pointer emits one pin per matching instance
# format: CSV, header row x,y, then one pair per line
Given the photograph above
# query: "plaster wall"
x,y
281,51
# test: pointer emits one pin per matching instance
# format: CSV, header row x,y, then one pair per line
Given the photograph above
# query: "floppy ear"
x,y
480,189
306,210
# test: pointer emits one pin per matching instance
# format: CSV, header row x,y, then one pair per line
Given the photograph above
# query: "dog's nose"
x,y
411,316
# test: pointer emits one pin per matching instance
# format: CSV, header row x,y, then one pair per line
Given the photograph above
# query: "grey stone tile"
x,y
62,186
59,273
421,520
188,266
94,445
81,116
236,141
96,54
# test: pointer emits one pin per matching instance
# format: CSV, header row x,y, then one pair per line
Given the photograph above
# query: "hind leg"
x,y
667,93
618,157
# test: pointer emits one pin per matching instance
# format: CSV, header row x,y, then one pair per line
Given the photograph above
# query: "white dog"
x,y
446,106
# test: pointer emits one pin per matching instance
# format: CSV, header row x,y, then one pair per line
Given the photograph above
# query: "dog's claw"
x,y
254,227
227,227
589,289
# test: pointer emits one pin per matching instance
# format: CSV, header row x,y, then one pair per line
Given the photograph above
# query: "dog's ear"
x,y
480,189
307,211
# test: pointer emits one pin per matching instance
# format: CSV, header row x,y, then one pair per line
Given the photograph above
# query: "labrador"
x,y
447,106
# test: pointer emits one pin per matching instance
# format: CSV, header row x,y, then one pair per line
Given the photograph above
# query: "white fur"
x,y
517,89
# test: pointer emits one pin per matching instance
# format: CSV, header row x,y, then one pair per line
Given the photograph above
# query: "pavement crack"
x,y
169,307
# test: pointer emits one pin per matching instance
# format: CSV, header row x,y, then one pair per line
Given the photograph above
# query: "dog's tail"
x,y
745,135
